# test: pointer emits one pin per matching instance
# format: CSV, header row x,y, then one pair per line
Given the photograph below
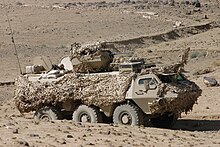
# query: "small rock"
x,y
109,132
210,81
107,140
149,51
90,143
66,132
15,131
79,123
188,12
64,142
69,136
68,128
115,125
171,2
187,2
33,135
24,143
196,9
177,24
197,5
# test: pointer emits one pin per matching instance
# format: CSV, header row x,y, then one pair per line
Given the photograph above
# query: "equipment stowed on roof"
x,y
40,64
130,67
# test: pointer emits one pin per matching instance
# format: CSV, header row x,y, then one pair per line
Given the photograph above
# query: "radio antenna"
x,y
12,37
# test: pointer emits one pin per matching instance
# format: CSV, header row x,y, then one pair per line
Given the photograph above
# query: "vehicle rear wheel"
x,y
86,114
167,120
127,115
47,113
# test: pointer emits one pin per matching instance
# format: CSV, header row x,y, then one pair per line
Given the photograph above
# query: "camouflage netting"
x,y
91,57
173,68
186,97
78,50
94,89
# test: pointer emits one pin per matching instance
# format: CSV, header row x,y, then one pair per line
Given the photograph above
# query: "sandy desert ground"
x,y
145,28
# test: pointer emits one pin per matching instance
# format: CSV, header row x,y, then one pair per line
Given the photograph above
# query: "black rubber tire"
x,y
167,120
133,113
92,114
47,113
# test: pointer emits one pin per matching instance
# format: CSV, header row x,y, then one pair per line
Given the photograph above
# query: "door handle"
x,y
140,92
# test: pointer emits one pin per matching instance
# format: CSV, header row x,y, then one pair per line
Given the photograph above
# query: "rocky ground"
x,y
151,30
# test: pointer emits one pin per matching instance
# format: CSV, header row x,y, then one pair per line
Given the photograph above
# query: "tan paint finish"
x,y
139,94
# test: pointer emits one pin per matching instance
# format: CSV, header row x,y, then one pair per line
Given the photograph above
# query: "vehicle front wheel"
x,y
47,113
127,115
86,114
167,120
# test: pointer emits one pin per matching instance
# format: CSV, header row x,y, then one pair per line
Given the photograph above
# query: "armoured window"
x,y
151,81
171,78
125,66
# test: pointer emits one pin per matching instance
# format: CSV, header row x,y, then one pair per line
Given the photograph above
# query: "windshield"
x,y
171,78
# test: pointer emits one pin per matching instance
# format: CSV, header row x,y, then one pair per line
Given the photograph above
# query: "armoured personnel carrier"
x,y
128,96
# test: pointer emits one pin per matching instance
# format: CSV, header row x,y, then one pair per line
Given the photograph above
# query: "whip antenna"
x,y
12,38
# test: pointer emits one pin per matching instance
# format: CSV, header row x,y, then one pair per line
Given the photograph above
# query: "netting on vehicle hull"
x,y
98,90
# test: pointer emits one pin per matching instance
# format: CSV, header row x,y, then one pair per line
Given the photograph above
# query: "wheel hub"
x,y
126,119
85,118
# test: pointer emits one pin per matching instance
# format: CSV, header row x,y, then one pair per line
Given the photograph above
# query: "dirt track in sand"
x,y
40,28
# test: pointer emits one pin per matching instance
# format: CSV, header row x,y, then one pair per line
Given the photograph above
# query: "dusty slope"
x,y
42,29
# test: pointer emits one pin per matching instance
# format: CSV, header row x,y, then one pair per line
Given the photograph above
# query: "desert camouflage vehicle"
x,y
90,92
